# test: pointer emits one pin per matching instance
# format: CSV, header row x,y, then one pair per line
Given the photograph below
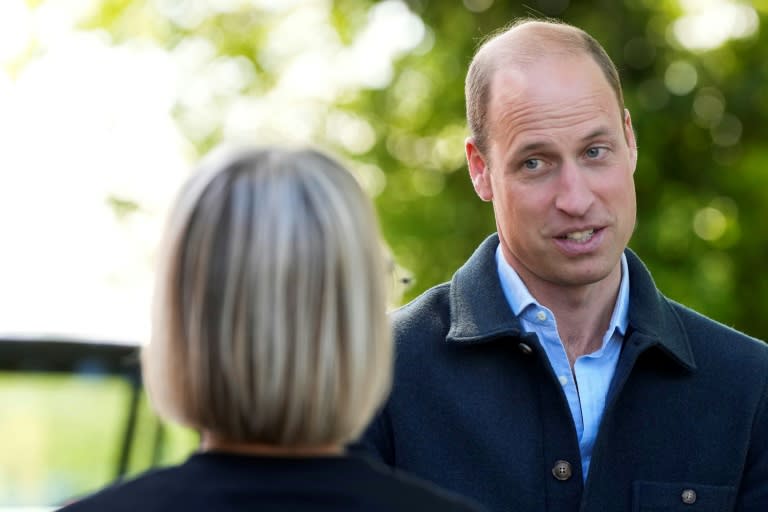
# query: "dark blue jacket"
x,y
477,409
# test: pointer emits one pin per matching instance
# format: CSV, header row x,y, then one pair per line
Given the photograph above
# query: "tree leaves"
x,y
699,115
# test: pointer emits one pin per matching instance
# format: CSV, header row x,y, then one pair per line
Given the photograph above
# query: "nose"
x,y
574,194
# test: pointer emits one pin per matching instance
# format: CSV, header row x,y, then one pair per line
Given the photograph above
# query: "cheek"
x,y
620,190
629,192
524,212
623,206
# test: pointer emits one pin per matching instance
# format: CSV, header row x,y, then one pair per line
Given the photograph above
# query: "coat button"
x,y
525,348
688,496
562,470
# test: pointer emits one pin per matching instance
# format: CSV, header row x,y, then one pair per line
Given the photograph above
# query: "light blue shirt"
x,y
587,386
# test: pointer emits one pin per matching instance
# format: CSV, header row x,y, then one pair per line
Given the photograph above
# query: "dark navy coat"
x,y
477,409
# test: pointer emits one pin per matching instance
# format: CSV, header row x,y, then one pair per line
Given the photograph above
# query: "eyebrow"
x,y
532,146
601,131
598,132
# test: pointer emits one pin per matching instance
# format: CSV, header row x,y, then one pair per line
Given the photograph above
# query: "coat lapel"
x,y
479,310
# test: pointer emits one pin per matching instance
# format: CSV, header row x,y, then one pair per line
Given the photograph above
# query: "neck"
x,y
583,312
583,326
211,442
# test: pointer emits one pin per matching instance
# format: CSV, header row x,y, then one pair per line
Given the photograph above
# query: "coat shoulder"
x,y
718,344
425,317
149,491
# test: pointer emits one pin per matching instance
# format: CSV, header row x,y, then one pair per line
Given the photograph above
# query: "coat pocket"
x,y
683,497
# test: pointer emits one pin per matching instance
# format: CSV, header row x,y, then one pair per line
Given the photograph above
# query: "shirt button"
x,y
688,496
541,316
525,348
563,380
562,470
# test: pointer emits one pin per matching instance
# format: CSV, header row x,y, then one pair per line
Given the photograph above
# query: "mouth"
x,y
580,237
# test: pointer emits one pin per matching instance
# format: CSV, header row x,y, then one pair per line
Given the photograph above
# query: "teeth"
x,y
580,236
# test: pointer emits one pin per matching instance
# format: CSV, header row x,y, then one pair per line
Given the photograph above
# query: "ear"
x,y
629,134
479,172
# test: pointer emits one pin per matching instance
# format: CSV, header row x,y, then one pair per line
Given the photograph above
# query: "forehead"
x,y
568,91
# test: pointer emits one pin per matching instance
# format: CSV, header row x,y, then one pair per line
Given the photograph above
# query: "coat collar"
x,y
480,313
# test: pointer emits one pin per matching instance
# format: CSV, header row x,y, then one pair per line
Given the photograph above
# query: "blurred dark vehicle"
x,y
75,418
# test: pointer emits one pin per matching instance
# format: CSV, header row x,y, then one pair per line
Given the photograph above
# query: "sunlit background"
x,y
105,106
93,150
92,154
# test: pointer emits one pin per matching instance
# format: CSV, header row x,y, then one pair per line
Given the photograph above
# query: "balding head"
x,y
524,42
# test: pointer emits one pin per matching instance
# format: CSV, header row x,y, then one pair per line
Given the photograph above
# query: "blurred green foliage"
x,y
701,180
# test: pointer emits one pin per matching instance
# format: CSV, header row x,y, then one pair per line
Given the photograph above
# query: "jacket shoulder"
x,y
716,343
426,316
148,491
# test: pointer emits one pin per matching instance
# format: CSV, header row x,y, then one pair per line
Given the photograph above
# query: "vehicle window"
x,y
64,435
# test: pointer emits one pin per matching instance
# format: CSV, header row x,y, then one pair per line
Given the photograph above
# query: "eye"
x,y
595,152
532,164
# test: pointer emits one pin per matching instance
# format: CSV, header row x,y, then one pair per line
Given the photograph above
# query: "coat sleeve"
x,y
376,441
753,491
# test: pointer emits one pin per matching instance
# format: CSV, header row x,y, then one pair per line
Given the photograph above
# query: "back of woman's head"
x,y
269,317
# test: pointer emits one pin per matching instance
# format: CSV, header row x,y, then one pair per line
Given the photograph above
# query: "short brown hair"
x,y
550,35
270,305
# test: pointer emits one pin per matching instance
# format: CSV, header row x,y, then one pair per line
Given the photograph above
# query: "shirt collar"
x,y
519,298
480,313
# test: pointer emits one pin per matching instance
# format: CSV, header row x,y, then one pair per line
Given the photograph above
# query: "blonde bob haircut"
x,y
269,321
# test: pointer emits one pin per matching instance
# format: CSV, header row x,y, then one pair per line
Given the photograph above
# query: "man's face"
x,y
559,171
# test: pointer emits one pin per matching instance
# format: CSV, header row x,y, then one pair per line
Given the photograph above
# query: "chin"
x,y
587,277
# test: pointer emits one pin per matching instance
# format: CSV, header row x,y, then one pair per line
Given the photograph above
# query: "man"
x,y
550,374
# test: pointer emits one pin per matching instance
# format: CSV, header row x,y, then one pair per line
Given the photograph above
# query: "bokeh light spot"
x,y
708,24
708,107
728,131
681,77
353,133
478,5
371,178
709,223
428,183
